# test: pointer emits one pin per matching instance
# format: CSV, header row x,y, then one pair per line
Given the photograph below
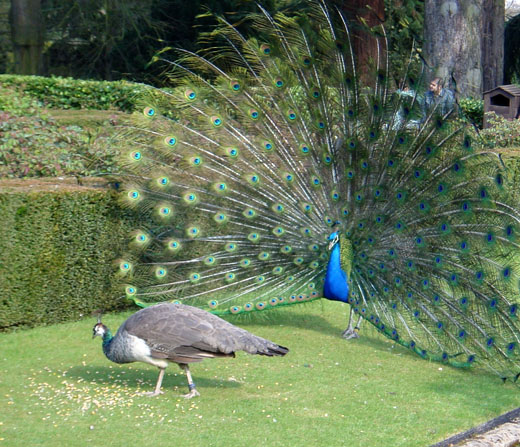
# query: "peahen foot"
x,y
157,391
152,393
192,393
350,333
191,385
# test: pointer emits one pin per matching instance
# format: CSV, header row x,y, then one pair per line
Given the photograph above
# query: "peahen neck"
x,y
107,341
335,285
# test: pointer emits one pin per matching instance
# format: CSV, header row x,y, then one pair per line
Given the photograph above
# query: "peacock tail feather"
x,y
241,172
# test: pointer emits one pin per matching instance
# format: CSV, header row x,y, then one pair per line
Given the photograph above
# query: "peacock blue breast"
x,y
335,285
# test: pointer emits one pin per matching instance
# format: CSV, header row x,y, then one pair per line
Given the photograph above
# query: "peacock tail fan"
x,y
241,173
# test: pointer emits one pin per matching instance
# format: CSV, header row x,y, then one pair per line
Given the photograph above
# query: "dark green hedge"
x,y
68,93
57,255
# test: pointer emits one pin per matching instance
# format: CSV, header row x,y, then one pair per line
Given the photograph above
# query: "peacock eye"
x,y
190,94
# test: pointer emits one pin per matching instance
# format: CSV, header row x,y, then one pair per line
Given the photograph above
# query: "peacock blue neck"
x,y
335,286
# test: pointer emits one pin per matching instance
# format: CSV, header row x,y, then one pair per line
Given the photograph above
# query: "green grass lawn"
x,y
57,388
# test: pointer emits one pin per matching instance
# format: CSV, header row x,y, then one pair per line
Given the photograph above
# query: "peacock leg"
x,y
157,390
191,385
351,331
357,327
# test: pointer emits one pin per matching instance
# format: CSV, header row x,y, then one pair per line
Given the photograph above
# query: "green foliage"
x,y
37,146
34,144
68,93
111,39
502,133
58,388
15,102
473,109
404,29
118,38
57,255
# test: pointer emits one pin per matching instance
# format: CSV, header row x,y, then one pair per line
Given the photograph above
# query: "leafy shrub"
x,y
68,93
13,102
36,146
501,133
473,109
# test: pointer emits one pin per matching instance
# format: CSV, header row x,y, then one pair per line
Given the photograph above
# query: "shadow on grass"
x,y
488,381
369,336
145,378
287,318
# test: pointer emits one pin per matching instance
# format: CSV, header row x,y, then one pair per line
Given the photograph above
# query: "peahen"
x,y
272,175
178,333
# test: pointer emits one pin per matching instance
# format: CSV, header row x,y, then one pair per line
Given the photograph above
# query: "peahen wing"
x,y
188,334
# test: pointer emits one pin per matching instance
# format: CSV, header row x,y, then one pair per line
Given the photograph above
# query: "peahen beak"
x,y
94,331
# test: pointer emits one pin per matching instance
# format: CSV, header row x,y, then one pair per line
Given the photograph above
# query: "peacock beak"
x,y
333,242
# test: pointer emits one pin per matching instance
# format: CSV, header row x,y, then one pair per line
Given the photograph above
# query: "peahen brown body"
x,y
181,334
271,175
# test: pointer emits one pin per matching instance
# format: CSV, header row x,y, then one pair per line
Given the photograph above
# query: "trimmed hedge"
x,y
58,253
69,93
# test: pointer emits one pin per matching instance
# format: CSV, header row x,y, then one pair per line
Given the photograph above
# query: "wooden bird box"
x,y
504,100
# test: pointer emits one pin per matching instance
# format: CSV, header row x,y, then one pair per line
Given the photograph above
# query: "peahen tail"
x,y
270,147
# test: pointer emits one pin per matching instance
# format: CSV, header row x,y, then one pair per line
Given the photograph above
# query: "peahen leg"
x,y
157,390
191,385
351,331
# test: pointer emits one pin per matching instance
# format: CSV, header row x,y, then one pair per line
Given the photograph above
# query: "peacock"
x,y
276,172
178,333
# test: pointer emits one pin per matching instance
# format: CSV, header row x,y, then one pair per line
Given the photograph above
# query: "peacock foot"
x,y
350,333
192,393
152,393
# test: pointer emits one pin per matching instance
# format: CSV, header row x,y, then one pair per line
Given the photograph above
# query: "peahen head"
x,y
99,330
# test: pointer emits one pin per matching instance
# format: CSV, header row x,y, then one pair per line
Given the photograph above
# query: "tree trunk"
x,y
463,43
368,49
493,44
27,32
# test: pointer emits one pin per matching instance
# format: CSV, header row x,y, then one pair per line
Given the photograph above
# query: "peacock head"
x,y
333,239
99,330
